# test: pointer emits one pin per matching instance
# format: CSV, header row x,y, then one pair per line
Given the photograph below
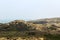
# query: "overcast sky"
x,y
29,9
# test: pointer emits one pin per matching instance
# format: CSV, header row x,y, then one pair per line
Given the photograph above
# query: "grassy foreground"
x,y
16,35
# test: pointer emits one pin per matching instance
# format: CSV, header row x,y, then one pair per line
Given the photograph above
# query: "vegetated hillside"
x,y
19,28
46,20
21,25
17,25
49,28
51,24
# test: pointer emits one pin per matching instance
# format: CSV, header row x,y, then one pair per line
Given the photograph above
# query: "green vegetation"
x,y
48,29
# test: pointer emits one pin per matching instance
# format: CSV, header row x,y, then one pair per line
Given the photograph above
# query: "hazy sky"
x,y
29,9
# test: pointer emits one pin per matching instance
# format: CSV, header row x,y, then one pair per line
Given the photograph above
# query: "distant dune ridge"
x,y
41,28
46,20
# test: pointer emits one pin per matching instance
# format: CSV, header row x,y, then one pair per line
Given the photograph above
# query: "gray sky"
x,y
29,9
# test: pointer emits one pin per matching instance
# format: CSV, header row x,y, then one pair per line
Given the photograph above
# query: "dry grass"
x,y
19,38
